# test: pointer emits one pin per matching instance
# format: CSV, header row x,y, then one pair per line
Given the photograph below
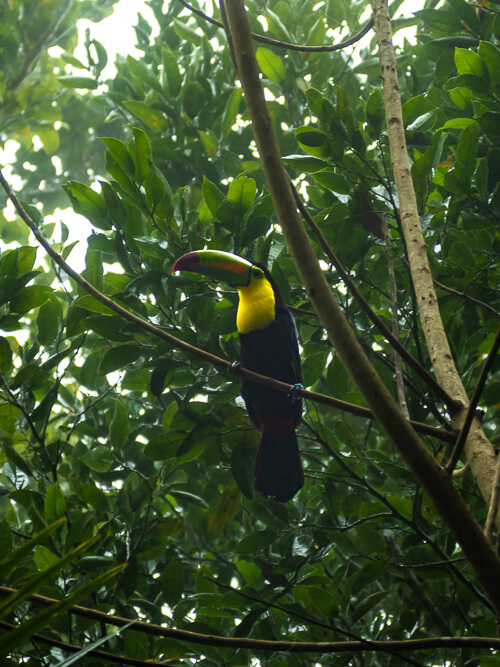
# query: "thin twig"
x,y
307,619
471,410
72,648
398,370
385,331
286,45
467,297
493,508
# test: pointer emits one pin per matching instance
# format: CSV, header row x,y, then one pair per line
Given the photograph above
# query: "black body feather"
x,y
273,351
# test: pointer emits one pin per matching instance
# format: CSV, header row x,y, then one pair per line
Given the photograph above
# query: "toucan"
x,y
268,338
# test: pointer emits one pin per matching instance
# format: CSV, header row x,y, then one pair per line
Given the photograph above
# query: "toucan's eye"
x,y
257,273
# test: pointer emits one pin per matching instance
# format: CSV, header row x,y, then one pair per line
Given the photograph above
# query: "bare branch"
x,y
264,644
494,502
304,48
398,370
471,410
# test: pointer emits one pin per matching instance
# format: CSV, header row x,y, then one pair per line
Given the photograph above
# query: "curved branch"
x,y
72,648
265,644
471,410
467,297
304,48
213,359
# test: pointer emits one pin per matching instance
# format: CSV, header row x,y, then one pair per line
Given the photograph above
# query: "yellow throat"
x,y
256,305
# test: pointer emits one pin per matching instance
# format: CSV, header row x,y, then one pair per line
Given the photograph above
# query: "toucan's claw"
x,y
294,392
234,367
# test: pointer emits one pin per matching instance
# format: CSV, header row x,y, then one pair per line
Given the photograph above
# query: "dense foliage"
x,y
150,449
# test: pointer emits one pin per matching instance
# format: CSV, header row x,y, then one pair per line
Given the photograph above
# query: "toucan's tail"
x,y
278,470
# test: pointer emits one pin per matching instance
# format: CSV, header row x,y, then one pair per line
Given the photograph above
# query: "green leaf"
x,y
459,123
439,19
85,82
5,540
49,321
16,637
119,152
367,604
194,99
117,358
99,459
153,118
5,355
88,203
490,123
313,367
468,62
172,73
119,427
212,195
44,558
242,463
304,163
469,81
231,111
186,33
312,141
375,112
461,255
333,182
250,572
76,657
54,503
467,148
271,64
467,12
48,571
172,582
209,141
28,298
10,561
490,57
241,193
9,414
255,542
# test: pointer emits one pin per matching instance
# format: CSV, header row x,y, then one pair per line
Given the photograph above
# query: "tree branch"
x,y
478,449
72,648
365,306
395,317
494,503
471,410
304,48
264,644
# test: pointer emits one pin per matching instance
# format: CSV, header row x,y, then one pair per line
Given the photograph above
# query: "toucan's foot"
x,y
294,392
234,367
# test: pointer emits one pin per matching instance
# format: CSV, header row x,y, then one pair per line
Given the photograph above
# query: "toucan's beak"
x,y
216,264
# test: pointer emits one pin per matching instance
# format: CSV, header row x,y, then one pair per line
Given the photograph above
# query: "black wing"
x,y
272,351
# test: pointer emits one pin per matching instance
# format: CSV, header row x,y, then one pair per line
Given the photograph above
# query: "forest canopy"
x,y
127,455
